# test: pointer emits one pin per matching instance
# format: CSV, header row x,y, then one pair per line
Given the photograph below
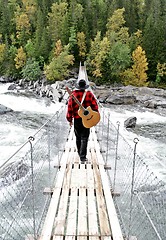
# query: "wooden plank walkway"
x,y
81,206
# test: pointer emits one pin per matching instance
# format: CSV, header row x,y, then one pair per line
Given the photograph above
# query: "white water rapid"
x,y
30,112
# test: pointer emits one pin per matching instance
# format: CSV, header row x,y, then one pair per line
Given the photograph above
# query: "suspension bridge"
x,y
81,199
47,194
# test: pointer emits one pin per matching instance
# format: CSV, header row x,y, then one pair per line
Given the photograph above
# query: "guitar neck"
x,y
76,100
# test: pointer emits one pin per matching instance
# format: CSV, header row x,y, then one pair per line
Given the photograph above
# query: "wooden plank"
x,y
72,213
81,238
57,237
75,176
92,211
102,211
82,180
95,238
59,225
84,216
92,214
70,238
82,213
106,238
115,226
113,219
48,224
90,177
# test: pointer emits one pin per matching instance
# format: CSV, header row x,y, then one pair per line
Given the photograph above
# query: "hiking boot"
x,y
84,160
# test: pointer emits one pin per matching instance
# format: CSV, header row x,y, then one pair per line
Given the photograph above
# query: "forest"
x,y
121,41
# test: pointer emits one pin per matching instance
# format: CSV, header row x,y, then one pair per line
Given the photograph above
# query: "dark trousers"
x,y
82,136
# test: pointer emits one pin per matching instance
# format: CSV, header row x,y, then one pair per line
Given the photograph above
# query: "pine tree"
x,y
2,52
116,31
154,36
57,19
81,42
20,58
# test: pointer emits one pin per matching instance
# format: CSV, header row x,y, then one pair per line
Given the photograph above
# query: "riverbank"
x,y
144,97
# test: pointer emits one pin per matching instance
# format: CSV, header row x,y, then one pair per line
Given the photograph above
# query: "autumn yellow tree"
x,y
81,44
105,59
137,75
57,69
100,57
23,26
58,48
30,8
97,55
116,31
20,59
2,52
161,71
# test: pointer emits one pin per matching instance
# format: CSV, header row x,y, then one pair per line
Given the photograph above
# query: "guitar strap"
x,y
83,97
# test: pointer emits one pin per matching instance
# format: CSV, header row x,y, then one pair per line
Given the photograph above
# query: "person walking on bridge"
x,y
86,98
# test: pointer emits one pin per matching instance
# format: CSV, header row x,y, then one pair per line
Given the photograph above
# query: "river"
x,y
31,111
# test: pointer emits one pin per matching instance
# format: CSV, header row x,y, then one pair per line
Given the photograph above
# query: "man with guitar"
x,y
83,109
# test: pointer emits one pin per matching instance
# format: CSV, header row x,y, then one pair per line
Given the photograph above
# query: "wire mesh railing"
x,y
24,176
139,196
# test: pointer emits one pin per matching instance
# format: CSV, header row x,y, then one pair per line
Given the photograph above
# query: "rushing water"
x,y
150,130
30,112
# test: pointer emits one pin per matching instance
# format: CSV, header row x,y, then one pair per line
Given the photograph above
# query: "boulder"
x,y
122,99
150,104
130,122
4,109
12,86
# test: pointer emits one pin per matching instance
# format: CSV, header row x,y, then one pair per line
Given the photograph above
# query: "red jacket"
x,y
89,100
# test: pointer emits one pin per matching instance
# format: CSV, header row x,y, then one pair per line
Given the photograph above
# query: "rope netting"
x,y
139,196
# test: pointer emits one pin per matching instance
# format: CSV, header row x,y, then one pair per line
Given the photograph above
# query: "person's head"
x,y
82,85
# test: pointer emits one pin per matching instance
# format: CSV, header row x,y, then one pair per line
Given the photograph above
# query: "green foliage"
x,y
20,58
135,40
72,39
57,20
119,58
81,42
116,31
94,49
31,70
161,73
100,57
7,66
75,13
30,49
99,32
154,35
58,67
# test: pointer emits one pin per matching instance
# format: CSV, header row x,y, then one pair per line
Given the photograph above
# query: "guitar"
x,y
89,117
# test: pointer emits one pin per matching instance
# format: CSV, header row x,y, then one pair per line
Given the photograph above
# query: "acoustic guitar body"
x,y
89,117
